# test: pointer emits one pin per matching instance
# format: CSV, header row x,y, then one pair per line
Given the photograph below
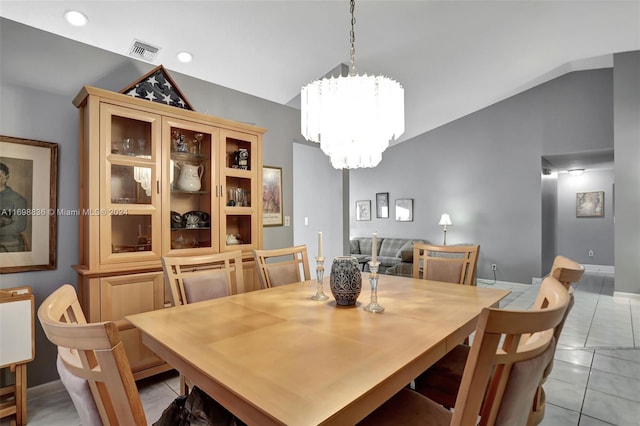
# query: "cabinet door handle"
x,y
158,187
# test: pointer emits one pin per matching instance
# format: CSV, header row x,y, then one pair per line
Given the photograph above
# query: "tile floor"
x,y
595,379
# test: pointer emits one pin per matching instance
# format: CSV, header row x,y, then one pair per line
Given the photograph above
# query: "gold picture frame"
x,y
29,171
271,196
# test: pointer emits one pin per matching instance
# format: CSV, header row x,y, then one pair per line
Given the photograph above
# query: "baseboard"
x,y
633,296
501,283
607,269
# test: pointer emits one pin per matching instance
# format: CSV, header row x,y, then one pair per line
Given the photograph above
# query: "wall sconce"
x,y
576,172
445,221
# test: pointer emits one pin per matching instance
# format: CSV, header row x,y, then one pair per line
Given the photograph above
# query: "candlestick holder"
x,y
319,275
373,305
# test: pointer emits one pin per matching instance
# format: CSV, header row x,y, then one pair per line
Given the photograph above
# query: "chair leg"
x,y
184,386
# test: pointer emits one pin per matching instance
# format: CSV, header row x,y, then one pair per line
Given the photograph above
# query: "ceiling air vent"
x,y
143,50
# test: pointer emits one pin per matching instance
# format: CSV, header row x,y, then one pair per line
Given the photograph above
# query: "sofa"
x,y
391,252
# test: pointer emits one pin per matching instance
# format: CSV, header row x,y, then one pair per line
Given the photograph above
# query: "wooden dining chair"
x,y
282,266
203,277
453,264
93,356
501,375
441,382
567,272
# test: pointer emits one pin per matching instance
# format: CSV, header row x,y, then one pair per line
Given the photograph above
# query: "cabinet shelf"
x,y
203,228
187,156
180,191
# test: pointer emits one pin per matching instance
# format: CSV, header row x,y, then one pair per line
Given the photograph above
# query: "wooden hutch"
x,y
158,180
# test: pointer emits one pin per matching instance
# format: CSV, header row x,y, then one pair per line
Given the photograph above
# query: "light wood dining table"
x,y
275,356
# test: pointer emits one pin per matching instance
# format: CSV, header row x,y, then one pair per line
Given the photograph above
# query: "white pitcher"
x,y
189,179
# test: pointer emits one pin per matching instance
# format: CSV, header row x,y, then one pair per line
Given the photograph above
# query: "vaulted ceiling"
x,y
452,57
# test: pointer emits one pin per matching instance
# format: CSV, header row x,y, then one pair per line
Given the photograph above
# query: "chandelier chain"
x,y
352,39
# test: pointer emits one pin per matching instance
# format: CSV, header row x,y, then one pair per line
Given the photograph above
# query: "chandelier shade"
x,y
353,118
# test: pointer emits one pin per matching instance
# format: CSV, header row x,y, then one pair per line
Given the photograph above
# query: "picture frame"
x,y
590,204
271,196
382,205
32,207
363,210
404,210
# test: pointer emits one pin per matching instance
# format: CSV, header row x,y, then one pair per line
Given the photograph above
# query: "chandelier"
x,y
353,118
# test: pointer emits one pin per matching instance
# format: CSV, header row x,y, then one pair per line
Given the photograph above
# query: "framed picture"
x,y
382,205
590,204
28,207
363,210
404,210
271,196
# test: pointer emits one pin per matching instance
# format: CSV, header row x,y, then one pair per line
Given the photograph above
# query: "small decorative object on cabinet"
x,y
164,195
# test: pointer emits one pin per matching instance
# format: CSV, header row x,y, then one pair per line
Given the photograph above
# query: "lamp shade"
x,y
445,220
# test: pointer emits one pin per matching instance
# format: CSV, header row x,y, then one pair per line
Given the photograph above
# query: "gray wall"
x,y
41,73
627,170
577,235
318,196
484,170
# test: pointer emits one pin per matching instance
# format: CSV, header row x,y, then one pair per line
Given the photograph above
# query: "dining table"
x,y
275,356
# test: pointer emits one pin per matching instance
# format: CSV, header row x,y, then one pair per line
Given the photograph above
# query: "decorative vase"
x,y
345,280
189,179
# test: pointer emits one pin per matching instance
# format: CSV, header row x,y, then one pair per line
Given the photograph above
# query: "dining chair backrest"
x,y
93,353
282,266
566,271
454,264
509,354
203,277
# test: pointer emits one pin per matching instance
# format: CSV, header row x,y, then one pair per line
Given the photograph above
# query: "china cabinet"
x,y
156,181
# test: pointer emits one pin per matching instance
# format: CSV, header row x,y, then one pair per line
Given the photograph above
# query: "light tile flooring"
x,y
595,378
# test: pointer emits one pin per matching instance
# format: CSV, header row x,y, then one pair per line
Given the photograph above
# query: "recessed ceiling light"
x,y
76,18
185,57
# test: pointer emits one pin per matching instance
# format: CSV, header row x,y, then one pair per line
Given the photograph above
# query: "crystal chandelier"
x,y
353,118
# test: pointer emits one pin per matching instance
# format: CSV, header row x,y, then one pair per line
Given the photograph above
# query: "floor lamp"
x,y
445,221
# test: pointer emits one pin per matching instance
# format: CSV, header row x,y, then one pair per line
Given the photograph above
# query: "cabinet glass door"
x,y
239,202
190,151
129,214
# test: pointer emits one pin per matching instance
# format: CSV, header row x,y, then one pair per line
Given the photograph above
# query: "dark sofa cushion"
x,y
354,246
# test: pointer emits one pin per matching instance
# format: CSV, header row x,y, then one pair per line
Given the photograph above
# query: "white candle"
x,y
374,246
319,244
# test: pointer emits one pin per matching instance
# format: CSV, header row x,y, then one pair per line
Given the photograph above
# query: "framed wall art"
x,y
28,207
382,205
363,210
271,196
590,204
404,210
